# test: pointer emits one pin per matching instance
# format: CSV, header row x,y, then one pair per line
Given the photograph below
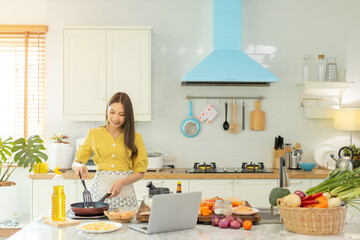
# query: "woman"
x,y
117,149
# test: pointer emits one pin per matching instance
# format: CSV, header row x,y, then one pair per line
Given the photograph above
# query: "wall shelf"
x,y
318,98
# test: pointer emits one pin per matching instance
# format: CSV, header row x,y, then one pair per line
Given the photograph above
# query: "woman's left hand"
x,y
116,188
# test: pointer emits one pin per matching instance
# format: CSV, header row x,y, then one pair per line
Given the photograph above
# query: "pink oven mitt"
x,y
208,114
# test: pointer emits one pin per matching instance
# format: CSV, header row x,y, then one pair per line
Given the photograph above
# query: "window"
x,y
22,80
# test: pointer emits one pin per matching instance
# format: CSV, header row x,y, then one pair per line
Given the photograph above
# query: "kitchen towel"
x,y
208,114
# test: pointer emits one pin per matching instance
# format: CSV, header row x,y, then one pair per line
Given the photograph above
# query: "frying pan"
x,y
98,209
190,127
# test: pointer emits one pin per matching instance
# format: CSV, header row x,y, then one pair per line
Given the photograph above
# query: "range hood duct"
x,y
227,65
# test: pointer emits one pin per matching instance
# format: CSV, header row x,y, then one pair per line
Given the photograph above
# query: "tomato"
x,y
247,225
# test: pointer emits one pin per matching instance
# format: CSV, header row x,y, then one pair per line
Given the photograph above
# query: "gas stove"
x,y
245,168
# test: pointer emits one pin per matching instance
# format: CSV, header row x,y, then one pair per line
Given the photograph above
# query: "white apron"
x,y
101,184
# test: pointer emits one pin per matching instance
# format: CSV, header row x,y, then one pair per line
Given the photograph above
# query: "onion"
x,y
327,195
215,220
230,218
239,220
224,223
300,194
235,224
292,200
334,202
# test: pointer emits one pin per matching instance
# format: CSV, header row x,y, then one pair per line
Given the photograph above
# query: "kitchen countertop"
x,y
179,173
40,231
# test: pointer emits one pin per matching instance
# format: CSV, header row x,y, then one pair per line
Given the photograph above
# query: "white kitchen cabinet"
x,y
299,184
141,190
255,191
42,190
100,61
212,187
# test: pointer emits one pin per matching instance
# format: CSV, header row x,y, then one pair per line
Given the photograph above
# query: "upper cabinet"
x,y
318,98
99,62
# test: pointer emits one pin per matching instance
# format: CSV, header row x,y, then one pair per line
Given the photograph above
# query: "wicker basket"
x,y
117,215
313,221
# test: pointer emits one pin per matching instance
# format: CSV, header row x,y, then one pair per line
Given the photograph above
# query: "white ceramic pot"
x,y
7,202
60,155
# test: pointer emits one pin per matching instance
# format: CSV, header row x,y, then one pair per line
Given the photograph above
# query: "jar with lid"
x,y
227,210
219,205
321,68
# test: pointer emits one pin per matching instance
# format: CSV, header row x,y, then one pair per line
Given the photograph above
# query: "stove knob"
x,y
236,169
225,169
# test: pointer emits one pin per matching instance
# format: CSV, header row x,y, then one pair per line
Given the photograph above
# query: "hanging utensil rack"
x,y
188,97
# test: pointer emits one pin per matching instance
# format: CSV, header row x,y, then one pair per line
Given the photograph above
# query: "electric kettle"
x,y
344,162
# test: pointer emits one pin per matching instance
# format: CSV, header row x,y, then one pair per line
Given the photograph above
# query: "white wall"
x,y
277,33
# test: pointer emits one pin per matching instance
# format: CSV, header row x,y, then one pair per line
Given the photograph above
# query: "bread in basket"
x,y
313,221
121,215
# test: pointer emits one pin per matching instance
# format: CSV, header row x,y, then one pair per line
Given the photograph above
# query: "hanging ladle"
x,y
226,124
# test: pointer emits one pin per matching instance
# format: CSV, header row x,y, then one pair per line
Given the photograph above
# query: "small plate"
x,y
117,225
246,213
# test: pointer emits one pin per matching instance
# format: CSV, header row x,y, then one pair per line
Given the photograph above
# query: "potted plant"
x,y
356,151
19,153
60,152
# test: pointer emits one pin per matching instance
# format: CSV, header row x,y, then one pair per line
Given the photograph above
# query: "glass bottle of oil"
x,y
58,197
178,188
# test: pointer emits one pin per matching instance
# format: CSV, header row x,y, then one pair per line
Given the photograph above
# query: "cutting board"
x,y
257,118
140,217
255,218
67,222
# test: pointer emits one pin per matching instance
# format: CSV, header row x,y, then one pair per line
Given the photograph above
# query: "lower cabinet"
x,y
255,191
212,187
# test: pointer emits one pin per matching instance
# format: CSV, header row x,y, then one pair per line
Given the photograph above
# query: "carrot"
x,y
322,205
321,199
201,204
205,211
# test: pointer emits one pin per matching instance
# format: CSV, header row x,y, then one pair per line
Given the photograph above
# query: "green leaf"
x,y
21,159
17,148
20,141
7,152
3,157
39,147
41,155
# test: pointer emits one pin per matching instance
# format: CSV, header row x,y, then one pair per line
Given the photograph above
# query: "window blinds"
x,y
22,80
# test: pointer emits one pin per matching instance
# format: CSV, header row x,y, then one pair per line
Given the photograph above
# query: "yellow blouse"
x,y
110,154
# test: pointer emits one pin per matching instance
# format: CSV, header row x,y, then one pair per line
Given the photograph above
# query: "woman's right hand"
x,y
80,168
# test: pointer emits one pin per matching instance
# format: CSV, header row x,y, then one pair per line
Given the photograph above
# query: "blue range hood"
x,y
227,65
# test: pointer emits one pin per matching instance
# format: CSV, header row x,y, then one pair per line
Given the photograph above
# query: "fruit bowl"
x,y
307,166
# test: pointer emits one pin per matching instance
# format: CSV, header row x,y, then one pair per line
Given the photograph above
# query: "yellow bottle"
x,y
58,197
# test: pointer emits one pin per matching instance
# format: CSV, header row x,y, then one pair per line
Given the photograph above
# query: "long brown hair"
x,y
129,124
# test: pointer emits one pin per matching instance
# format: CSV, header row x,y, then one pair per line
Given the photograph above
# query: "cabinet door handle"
x,y
296,183
159,182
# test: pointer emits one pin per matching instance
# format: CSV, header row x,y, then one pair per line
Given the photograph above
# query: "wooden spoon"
x,y
288,149
232,126
236,127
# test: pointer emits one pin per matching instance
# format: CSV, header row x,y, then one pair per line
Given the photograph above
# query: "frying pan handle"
x,y
104,197
190,110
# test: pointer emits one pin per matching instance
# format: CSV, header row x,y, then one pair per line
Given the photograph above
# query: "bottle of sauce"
x,y
178,188
58,197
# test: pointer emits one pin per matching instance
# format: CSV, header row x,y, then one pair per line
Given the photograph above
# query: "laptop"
x,y
171,212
